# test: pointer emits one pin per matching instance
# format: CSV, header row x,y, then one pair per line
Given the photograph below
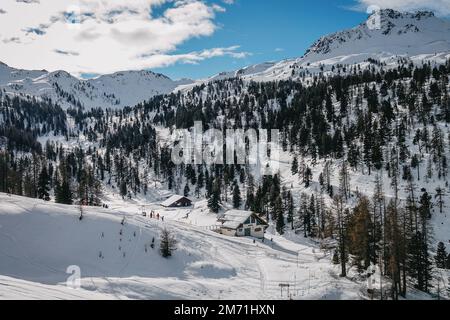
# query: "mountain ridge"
x,y
419,36
117,90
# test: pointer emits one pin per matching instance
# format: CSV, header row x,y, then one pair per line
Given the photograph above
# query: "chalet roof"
x,y
172,200
234,218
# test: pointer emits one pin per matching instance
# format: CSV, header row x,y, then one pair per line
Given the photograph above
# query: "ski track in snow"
x,y
211,265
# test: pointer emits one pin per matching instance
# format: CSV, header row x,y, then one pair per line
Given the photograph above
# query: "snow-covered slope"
x,y
108,91
40,240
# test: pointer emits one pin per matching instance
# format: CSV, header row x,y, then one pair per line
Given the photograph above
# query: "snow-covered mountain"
x,y
108,91
385,34
418,36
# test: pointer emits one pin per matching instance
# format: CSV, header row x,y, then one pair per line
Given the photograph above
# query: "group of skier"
x,y
155,215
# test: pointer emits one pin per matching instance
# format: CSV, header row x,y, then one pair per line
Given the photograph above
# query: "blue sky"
x,y
269,30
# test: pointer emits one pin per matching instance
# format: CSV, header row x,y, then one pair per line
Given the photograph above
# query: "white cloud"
x,y
163,60
440,7
218,8
103,36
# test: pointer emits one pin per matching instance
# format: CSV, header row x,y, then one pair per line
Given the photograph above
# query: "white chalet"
x,y
239,223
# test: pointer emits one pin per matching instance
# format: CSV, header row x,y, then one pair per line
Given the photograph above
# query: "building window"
x,y
258,230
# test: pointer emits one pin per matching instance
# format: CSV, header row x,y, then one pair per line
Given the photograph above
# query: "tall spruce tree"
x,y
236,196
214,197
279,215
441,256
168,243
44,184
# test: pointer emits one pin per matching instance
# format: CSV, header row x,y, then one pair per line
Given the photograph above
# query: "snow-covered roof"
x,y
234,218
172,200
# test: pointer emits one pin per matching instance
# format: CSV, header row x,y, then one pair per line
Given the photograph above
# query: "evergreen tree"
x,y
425,206
441,256
312,217
344,180
307,177
294,168
290,210
187,190
392,254
44,185
280,224
360,237
236,196
419,260
123,189
336,257
168,244
440,199
341,214
415,164
63,193
214,197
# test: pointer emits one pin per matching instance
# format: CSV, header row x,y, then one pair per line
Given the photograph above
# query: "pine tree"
x,y
341,214
312,217
420,265
344,180
123,189
63,193
441,256
393,247
186,190
168,243
360,234
294,168
303,214
44,185
290,210
89,187
307,177
336,257
440,193
214,197
236,196
279,216
250,201
415,164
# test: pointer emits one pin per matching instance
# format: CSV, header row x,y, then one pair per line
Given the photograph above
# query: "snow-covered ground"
x,y
40,240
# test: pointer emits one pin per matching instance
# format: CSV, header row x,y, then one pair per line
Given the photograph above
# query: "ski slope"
x,y
39,241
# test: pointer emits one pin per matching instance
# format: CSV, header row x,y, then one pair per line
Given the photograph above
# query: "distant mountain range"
x,y
418,36
109,91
